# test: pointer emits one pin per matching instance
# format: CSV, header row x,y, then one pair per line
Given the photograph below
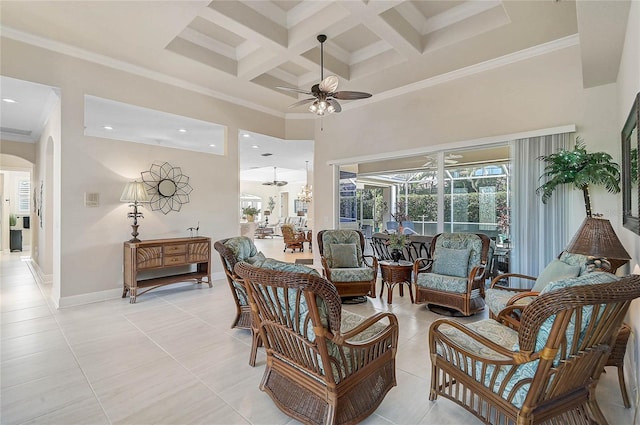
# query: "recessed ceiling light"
x,y
182,130
255,146
108,127
212,145
8,100
246,135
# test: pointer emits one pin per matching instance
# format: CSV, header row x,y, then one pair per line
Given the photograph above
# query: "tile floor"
x,y
172,359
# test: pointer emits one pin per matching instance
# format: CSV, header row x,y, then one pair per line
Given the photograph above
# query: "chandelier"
x,y
305,194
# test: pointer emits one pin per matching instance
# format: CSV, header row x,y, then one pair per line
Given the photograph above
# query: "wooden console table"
x,y
147,264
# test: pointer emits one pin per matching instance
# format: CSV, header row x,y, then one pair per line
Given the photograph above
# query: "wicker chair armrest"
x,y
495,281
436,336
326,271
521,295
511,315
342,338
374,261
422,265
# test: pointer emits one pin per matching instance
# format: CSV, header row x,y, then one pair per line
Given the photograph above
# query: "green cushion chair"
x,y
507,301
344,264
324,365
545,371
455,275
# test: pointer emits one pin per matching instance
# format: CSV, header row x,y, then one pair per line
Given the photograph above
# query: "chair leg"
x,y
623,387
256,342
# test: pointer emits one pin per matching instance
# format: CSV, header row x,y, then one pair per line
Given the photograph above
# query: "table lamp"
x,y
134,193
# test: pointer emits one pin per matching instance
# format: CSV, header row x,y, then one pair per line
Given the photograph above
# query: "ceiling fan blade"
x,y
336,105
350,95
302,102
281,183
268,183
329,84
315,90
294,90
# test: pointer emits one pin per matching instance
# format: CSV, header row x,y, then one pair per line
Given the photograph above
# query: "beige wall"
x,y
91,238
628,85
18,149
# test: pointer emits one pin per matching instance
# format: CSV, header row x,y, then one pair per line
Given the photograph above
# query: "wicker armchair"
x,y
344,264
506,302
324,365
232,251
418,247
293,239
547,370
455,276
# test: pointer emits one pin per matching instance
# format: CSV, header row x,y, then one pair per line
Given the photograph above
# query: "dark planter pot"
x,y
396,255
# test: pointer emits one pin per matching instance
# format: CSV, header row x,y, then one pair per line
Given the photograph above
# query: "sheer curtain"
x,y
539,232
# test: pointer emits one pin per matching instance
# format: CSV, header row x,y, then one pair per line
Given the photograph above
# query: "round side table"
x,y
393,274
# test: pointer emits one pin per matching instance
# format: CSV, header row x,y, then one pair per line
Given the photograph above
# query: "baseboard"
x,y
41,278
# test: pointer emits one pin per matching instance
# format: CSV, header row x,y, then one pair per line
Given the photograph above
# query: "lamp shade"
x,y
134,192
596,237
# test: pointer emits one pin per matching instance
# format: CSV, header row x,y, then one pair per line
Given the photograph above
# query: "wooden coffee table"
x,y
396,274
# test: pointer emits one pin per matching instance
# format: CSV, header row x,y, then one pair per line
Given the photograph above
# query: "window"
x,y
24,190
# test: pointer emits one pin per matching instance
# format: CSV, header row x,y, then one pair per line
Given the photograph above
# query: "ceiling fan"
x,y
325,94
275,181
449,159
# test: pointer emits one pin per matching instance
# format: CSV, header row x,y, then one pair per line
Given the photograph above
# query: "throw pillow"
x,y
556,270
451,262
344,255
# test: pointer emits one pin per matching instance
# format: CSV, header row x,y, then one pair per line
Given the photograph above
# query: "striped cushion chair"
x,y
546,371
324,365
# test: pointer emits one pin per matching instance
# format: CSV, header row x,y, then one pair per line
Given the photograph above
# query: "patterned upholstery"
x,y
497,297
324,365
508,339
463,254
350,281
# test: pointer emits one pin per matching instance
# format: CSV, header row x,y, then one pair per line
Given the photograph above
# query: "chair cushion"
x,y
283,266
497,299
503,336
354,274
257,259
469,241
242,247
443,283
333,237
344,255
349,321
556,270
451,262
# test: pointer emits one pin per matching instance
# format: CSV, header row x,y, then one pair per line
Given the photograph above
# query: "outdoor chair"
x,y
408,228
454,277
324,365
507,301
293,239
418,247
344,264
233,251
546,371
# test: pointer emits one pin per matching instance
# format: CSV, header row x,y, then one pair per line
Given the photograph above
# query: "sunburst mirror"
x,y
167,187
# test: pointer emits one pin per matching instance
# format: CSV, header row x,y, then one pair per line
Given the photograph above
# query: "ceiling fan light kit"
x,y
325,94
275,182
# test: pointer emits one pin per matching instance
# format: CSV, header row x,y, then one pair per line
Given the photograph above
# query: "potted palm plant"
x,y
397,242
250,213
581,169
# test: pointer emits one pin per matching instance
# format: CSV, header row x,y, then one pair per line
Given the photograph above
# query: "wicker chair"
x,y
547,370
418,247
455,276
293,239
232,251
324,365
506,301
344,264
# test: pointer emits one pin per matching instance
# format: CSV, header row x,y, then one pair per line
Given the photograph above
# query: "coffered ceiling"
x,y
240,51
